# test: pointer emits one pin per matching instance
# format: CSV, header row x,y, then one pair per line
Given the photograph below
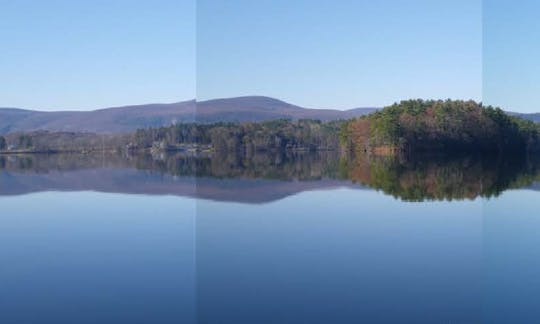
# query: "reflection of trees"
x,y
429,177
44,163
424,177
280,166
297,166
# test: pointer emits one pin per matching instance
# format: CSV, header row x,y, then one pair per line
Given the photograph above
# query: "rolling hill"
x,y
110,120
535,117
130,118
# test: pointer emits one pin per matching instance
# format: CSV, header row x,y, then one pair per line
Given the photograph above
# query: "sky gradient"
x,y
511,49
340,54
80,55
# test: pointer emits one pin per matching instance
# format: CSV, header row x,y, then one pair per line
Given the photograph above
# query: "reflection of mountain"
x,y
265,178
105,180
261,190
133,181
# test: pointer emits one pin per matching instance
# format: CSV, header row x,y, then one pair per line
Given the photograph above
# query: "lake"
x,y
269,238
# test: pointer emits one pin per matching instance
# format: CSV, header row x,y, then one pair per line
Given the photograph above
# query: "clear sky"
x,y
65,54
511,50
340,54
85,54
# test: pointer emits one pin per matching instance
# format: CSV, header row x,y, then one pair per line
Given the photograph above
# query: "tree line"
x,y
408,126
271,135
247,137
436,125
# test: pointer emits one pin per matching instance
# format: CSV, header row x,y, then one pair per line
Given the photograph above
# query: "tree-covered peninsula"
x,y
439,126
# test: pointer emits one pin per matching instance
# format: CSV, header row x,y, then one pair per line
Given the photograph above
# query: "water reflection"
x,y
444,177
263,178
323,256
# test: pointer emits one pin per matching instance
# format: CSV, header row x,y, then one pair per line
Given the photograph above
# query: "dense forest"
x,y
249,137
418,125
408,126
272,135
50,142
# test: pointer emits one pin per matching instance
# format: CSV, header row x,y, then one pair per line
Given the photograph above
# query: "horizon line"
x,y
238,97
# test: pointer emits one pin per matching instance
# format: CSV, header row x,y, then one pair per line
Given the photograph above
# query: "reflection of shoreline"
x,y
260,179
445,177
278,166
267,177
133,181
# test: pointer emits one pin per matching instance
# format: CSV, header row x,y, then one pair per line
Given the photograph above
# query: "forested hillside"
x,y
408,126
418,125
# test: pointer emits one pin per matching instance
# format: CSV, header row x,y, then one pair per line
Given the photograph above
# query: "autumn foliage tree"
x,y
437,125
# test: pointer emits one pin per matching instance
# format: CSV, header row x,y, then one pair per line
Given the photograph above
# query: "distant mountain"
x,y
257,108
130,118
110,120
535,117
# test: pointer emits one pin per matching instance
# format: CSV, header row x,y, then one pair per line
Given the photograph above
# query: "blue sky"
x,y
61,54
340,54
66,54
511,50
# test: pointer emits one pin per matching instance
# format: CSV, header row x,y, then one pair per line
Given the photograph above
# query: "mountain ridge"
x,y
129,118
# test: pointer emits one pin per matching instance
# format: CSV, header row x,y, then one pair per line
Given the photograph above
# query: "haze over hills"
x,y
109,120
130,118
535,117
258,108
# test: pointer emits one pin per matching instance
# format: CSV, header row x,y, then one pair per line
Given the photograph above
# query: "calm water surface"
x,y
268,239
